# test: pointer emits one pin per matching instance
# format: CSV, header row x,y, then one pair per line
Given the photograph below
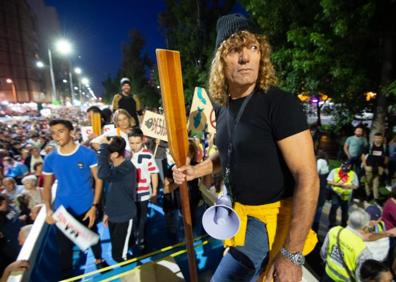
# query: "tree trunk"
x,y
318,108
387,28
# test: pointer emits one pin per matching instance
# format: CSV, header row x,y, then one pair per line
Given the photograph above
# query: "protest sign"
x,y
74,230
154,126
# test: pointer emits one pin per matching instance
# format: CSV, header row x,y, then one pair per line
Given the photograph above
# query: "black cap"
x,y
233,23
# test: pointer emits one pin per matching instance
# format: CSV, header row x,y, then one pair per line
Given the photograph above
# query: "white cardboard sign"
x,y
80,235
88,130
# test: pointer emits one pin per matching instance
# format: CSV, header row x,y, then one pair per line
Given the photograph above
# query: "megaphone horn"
x,y
221,221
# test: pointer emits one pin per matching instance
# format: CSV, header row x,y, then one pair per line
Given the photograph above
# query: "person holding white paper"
x,y
74,167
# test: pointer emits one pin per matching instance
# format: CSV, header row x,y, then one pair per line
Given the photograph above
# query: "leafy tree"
x,y
111,86
137,66
333,46
190,27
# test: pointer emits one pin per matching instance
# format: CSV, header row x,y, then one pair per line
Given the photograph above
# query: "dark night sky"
x,y
98,30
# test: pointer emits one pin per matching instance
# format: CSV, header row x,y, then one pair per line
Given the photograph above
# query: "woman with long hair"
x,y
123,123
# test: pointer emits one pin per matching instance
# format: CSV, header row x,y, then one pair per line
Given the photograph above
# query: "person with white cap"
x,y
125,100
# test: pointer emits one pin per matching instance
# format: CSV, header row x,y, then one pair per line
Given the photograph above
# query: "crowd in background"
x,y
24,145
361,184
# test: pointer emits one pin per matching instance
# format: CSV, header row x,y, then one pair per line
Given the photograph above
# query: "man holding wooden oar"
x,y
266,153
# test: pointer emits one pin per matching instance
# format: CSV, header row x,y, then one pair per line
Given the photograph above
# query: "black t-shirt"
x,y
258,170
376,156
128,103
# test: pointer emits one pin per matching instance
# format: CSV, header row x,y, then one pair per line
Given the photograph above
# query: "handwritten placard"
x,y
202,116
154,126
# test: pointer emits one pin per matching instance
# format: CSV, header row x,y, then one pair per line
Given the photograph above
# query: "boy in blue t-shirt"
x,y
74,167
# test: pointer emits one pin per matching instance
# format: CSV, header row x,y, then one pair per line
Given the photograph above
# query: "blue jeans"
x,y
245,263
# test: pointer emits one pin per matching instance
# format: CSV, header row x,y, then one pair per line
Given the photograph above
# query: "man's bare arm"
x,y
346,150
91,214
298,153
47,197
47,194
154,183
98,185
188,172
209,166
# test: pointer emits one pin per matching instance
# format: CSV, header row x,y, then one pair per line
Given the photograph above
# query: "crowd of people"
x,y
363,187
109,178
258,148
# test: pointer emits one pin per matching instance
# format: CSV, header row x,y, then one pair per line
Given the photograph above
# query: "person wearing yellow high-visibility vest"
x,y
342,181
344,249
376,224
377,237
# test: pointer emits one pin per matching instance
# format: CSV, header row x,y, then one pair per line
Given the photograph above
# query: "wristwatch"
x,y
296,258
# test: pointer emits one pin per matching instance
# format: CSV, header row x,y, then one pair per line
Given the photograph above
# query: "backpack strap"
x,y
351,275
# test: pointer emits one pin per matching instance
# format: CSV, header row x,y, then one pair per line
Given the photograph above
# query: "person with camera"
x,y
374,165
342,180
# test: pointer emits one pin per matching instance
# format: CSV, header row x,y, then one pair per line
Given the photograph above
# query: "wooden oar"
x,y
170,75
96,123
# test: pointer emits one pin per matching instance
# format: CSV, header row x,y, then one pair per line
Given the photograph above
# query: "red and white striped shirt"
x,y
145,166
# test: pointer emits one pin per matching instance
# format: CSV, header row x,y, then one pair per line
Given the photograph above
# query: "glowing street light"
x,y
13,89
64,81
40,64
63,47
85,81
77,70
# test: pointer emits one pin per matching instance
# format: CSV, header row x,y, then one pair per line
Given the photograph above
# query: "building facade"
x,y
20,80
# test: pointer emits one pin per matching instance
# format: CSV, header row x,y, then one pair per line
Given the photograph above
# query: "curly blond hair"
x,y
218,87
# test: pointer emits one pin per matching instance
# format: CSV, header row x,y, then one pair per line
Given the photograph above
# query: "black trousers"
x,y
66,249
336,202
141,221
120,237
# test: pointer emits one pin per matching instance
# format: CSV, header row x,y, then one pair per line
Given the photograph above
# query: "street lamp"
x,y
13,89
77,70
63,47
40,64
85,81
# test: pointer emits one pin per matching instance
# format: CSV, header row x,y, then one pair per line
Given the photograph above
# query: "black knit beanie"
x,y
230,24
